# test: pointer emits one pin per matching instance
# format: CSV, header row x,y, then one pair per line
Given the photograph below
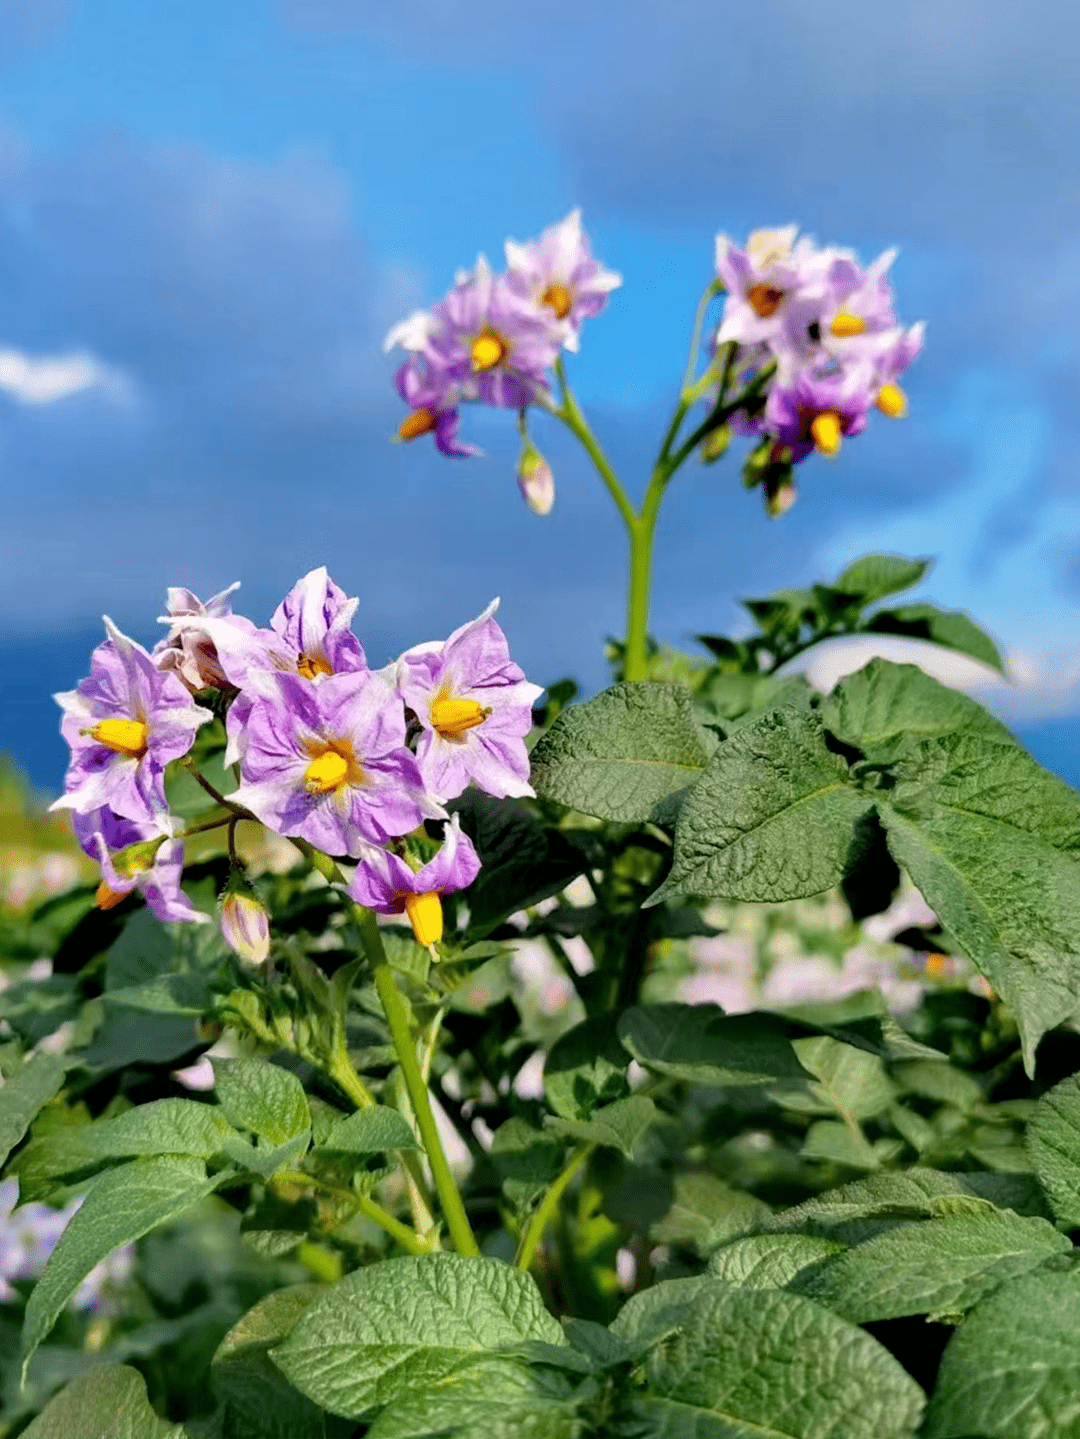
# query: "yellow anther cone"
x,y
312,665
420,422
425,916
892,401
845,325
107,898
125,736
826,432
452,717
325,773
486,352
559,299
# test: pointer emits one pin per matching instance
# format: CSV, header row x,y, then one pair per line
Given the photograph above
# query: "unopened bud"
x,y
715,444
245,923
535,480
780,491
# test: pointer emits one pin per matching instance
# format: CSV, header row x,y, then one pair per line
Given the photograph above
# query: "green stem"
x,y
366,1205
457,1221
548,1205
570,414
341,1071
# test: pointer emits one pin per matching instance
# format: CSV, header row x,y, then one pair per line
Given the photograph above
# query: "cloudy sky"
x,y
211,213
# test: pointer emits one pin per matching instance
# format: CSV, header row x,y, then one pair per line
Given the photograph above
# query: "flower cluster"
x,y
350,760
495,336
819,334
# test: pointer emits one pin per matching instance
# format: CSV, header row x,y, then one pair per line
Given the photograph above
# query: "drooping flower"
x,y
474,706
124,724
560,276
328,763
433,401
188,650
137,855
245,924
388,884
807,411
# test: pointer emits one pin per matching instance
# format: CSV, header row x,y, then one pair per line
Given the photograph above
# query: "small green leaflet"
x,y
370,1131
705,1212
250,1384
617,1126
952,629
1053,1141
262,1097
770,1261
22,1096
874,576
626,755
703,1045
585,1067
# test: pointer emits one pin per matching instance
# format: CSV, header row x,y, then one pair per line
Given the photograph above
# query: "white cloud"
x,y
45,379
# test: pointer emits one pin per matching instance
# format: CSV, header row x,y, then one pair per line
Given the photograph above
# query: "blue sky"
x,y
218,210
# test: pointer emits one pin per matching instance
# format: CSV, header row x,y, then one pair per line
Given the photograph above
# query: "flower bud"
x,y
715,444
780,491
245,923
535,480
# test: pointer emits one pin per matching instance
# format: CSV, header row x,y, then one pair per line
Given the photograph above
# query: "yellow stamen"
x,y
845,325
420,422
453,717
558,298
764,300
486,351
107,898
311,665
425,916
937,966
325,773
892,401
125,736
826,432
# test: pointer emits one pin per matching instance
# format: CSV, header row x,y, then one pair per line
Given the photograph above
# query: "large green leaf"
x,y
909,1194
108,1402
1053,1141
951,629
585,1068
370,1131
743,1363
703,1045
1012,1371
874,576
261,1402
850,1081
262,1097
935,1266
884,707
124,1204
21,1097
492,1399
625,755
772,818
992,841
616,1126
770,1261
402,1326
705,1212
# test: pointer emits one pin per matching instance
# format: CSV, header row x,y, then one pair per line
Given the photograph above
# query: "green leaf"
x,y
915,1193
262,1097
701,1044
267,1159
406,1324
938,1080
1053,1142
772,1365
252,1386
526,1160
951,629
585,1068
837,1143
616,1126
992,840
874,576
936,1266
371,1131
1012,1371
850,1081
772,817
884,708
124,1204
626,755
21,1097
108,1402
770,1261
492,1399
705,1212
144,950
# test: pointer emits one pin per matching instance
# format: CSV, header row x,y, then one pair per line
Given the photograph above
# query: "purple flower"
x,y
432,398
188,650
124,724
137,855
328,763
485,340
559,275
808,411
474,706
388,884
776,289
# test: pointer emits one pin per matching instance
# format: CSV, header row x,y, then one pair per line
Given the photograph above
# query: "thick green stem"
x,y
457,1221
548,1205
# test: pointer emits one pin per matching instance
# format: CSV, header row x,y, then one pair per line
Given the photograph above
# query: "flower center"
x,y
845,325
326,773
125,736
558,298
764,300
310,666
892,401
826,432
425,916
450,718
420,422
487,351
